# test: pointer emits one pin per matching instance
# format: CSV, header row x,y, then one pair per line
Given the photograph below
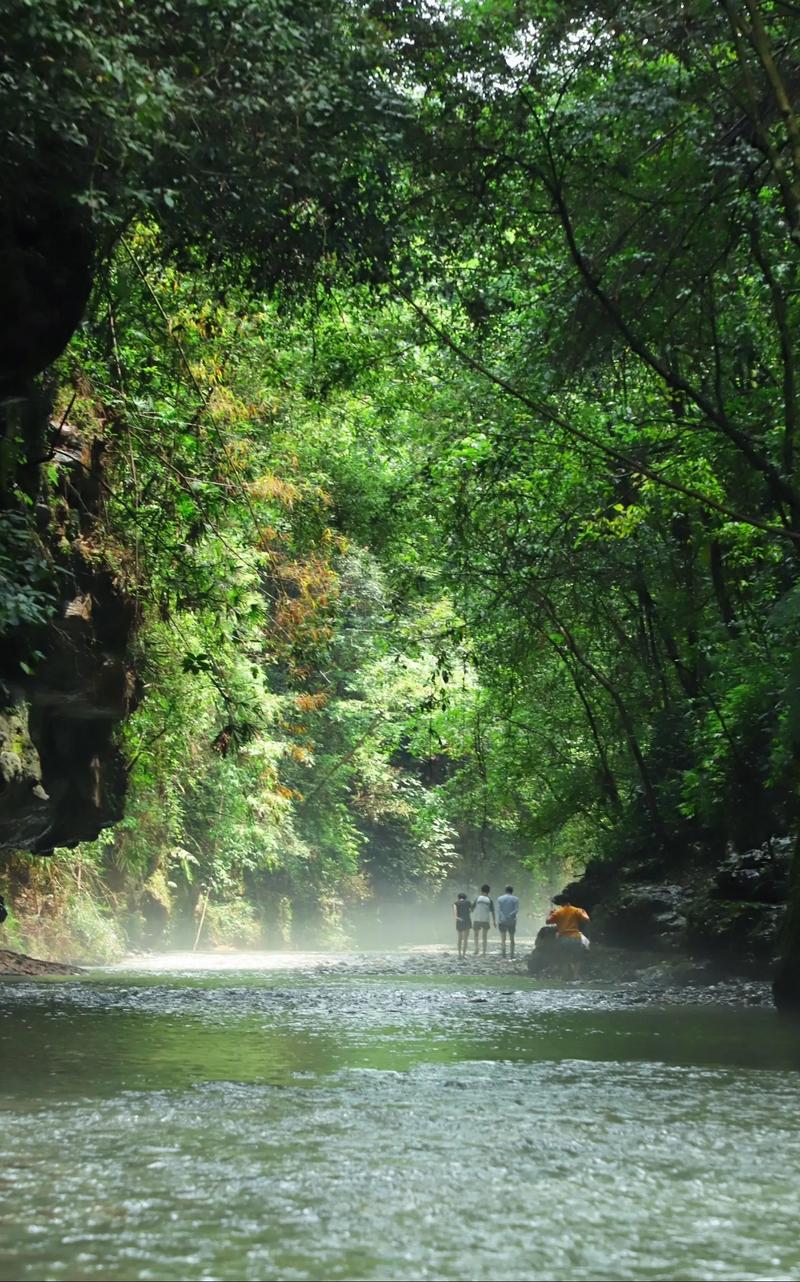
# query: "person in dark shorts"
x,y
482,914
463,916
507,909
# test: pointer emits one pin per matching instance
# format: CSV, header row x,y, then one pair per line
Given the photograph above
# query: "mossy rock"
x,y
745,930
155,907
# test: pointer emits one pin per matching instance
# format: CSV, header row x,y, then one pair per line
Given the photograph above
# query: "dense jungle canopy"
x,y
437,368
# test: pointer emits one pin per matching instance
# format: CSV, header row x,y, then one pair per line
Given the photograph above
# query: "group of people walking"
x,y
563,927
476,914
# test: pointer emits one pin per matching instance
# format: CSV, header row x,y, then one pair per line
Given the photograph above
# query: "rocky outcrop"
x,y
47,268
786,984
24,801
20,964
732,911
66,683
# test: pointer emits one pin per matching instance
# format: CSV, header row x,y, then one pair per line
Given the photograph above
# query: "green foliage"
x,y
251,128
27,591
62,909
233,925
502,551
278,751
95,935
608,293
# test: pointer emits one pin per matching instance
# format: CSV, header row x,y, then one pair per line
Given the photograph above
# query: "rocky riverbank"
x,y
727,912
19,964
635,978
642,975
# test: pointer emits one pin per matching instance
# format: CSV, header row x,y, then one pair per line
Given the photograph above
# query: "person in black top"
x,y
463,916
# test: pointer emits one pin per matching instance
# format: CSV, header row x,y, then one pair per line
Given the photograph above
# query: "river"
x,y
303,1118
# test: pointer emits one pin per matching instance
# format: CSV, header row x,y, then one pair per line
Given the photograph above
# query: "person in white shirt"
x,y
482,914
507,909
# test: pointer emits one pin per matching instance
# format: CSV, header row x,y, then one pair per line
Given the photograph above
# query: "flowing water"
x,y
300,1121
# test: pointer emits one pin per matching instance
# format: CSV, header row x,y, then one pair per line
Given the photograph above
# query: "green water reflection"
x,y
52,1046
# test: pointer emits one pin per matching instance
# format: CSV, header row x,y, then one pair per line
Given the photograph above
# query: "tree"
x,y
253,131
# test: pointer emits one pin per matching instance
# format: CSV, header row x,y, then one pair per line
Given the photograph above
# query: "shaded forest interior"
x,y
399,463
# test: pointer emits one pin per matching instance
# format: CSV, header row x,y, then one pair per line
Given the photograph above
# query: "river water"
x,y
293,1119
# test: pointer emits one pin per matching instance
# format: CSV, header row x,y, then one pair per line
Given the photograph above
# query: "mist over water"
x,y
394,921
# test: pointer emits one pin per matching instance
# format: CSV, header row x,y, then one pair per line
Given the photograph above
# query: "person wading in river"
x,y
568,921
507,909
463,916
482,914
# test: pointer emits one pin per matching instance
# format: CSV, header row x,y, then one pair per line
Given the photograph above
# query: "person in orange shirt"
x,y
568,921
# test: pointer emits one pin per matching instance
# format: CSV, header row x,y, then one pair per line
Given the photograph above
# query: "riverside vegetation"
x,y
399,464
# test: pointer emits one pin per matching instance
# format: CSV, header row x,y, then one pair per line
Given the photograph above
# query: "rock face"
x,y
24,802
786,984
66,684
732,911
46,266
